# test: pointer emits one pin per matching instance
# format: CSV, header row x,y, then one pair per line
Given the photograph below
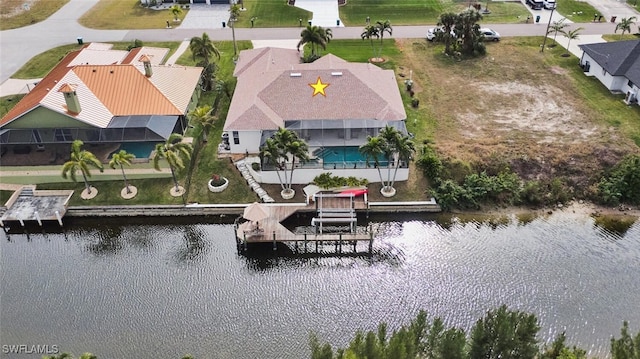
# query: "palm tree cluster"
x,y
281,151
461,33
392,147
317,36
203,48
377,30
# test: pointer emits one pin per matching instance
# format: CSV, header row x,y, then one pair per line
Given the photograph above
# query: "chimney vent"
x,y
70,97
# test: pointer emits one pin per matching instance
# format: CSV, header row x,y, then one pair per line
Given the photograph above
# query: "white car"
x,y
489,35
433,32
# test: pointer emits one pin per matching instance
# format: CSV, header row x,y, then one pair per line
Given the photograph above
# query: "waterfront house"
x,y
616,65
332,104
109,99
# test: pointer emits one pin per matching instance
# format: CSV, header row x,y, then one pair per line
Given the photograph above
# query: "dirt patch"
x,y
510,108
9,8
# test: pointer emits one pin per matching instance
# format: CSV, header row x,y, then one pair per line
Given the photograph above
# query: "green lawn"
x,y
7,103
128,14
419,12
272,13
577,11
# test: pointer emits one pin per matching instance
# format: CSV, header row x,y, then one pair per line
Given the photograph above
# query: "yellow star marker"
x,y
318,87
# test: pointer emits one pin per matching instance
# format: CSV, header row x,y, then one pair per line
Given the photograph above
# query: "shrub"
x,y
430,164
327,180
622,184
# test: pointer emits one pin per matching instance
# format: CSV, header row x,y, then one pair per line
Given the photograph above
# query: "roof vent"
x,y
336,73
110,71
295,74
94,70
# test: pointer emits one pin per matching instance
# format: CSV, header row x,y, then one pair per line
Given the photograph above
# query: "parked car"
x,y
433,32
549,4
535,4
489,35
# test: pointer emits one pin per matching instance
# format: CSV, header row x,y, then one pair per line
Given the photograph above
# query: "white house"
x,y
616,65
332,104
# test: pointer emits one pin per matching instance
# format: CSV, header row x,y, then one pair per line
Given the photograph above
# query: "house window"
x,y
236,138
630,84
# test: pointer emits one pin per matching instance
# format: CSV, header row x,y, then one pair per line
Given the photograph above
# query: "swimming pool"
x,y
139,149
343,157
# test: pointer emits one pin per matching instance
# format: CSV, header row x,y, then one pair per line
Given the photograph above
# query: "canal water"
x,y
162,290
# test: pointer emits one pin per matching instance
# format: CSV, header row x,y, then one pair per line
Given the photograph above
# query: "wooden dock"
x,y
271,230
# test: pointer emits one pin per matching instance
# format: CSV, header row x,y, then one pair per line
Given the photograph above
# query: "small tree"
x,y
557,27
80,160
625,25
383,26
317,36
571,35
371,31
120,159
176,10
176,152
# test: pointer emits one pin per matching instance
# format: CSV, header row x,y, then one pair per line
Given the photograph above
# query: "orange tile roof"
x,y
105,91
125,91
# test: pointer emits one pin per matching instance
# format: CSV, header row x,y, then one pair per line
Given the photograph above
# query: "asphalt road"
x,y
17,46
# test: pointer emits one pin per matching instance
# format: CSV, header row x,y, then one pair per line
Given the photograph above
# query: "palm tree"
x,y
371,31
448,23
285,146
316,36
80,160
382,28
234,13
203,118
469,30
203,47
404,149
556,27
625,25
391,145
374,149
175,152
571,35
120,159
271,153
176,10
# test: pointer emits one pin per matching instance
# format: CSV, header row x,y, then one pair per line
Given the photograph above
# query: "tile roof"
x,y
619,58
105,91
270,92
155,54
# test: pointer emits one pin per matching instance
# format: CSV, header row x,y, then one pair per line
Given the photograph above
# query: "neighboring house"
x,y
616,65
104,97
332,104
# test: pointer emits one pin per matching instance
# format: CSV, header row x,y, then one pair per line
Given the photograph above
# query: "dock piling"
x,y
38,218
59,218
